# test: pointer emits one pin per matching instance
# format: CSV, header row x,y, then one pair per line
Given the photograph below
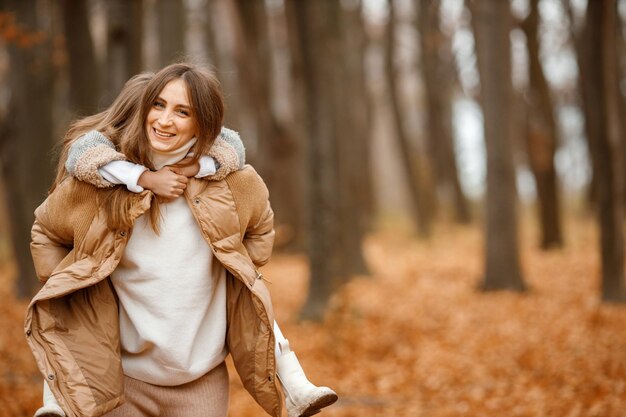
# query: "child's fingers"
x,y
180,185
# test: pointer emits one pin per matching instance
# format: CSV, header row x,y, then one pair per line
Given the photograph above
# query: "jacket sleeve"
x,y
51,240
259,237
87,154
229,154
256,218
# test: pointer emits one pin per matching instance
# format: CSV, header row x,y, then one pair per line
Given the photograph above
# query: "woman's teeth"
x,y
163,134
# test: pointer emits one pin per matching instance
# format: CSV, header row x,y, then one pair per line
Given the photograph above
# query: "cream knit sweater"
x,y
172,297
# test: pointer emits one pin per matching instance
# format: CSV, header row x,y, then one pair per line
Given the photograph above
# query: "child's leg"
x,y
301,396
50,406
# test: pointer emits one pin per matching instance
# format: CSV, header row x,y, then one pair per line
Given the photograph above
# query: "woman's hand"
x,y
186,168
165,183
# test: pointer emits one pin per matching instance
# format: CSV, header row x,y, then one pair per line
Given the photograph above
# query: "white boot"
x,y
50,407
302,398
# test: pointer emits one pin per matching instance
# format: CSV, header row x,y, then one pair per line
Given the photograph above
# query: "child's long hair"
x,y
111,122
207,108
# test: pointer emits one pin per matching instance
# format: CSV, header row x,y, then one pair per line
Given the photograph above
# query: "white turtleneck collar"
x,y
161,159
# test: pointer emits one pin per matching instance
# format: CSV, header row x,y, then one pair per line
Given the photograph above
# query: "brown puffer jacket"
x,y
72,323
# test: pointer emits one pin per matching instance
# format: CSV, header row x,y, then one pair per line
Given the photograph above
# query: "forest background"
x,y
447,176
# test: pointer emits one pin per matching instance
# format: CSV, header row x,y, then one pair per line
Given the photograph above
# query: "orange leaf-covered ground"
x,y
417,339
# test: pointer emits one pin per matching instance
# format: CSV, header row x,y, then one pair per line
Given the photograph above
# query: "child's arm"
x,y
165,182
88,154
225,156
93,159
228,153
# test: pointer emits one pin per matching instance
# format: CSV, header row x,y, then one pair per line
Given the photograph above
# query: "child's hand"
x,y
165,183
186,168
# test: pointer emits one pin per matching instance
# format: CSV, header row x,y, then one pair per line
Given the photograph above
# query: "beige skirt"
x,y
207,396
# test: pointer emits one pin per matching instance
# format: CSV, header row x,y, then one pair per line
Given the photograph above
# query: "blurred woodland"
x,y
421,155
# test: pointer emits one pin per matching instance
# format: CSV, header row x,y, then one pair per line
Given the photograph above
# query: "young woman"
x,y
90,156
183,288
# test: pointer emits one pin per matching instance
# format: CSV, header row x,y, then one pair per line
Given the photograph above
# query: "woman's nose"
x,y
165,118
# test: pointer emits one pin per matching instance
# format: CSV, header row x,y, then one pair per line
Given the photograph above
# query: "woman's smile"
x,y
162,134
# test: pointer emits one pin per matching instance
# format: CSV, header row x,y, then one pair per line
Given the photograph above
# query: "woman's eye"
x,y
158,104
183,112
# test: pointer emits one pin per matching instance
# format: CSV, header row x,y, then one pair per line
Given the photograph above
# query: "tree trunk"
x,y
414,173
353,150
356,44
542,137
171,30
621,62
313,36
436,74
210,40
586,43
215,31
27,133
83,71
349,137
275,157
491,21
298,98
124,46
602,22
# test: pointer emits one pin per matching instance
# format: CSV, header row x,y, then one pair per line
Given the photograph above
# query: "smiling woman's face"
x,y
171,123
